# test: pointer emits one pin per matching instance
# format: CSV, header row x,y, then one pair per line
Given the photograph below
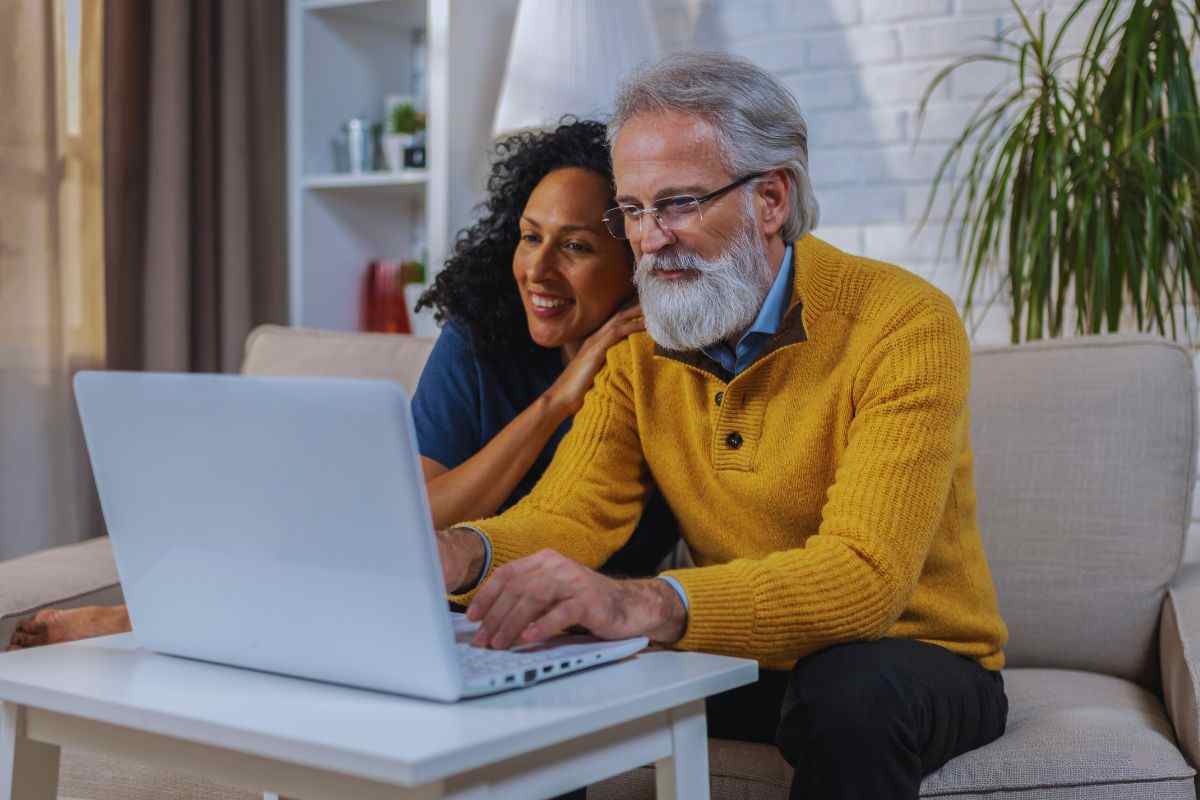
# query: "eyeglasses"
x,y
671,213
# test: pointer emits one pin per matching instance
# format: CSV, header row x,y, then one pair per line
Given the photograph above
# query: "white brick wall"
x,y
859,68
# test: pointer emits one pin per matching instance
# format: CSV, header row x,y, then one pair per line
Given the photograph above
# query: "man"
x,y
804,413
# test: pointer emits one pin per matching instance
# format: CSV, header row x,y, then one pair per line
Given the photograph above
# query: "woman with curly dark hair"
x,y
531,300
533,296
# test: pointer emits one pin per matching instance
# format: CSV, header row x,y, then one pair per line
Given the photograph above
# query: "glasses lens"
x,y
678,212
614,220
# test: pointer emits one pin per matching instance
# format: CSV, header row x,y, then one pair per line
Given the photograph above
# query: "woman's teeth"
x,y
547,302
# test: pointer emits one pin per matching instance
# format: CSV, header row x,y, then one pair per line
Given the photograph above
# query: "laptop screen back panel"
x,y
279,524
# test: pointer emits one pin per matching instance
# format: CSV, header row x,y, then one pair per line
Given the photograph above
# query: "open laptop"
x,y
282,524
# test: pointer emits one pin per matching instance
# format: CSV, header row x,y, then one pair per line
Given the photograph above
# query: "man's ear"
x,y
774,200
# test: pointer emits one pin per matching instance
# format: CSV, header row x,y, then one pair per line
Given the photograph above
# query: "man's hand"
x,y
535,598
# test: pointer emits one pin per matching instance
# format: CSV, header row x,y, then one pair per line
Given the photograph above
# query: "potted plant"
x,y
1076,188
404,124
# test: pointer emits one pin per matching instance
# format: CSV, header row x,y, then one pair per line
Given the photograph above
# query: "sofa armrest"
x,y
63,577
1179,657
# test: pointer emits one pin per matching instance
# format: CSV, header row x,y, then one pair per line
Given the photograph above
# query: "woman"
x,y
528,301
534,295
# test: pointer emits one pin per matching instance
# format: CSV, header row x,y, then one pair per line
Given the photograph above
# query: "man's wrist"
x,y
469,555
666,615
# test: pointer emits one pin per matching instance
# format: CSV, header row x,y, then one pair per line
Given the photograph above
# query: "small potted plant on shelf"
x,y
404,126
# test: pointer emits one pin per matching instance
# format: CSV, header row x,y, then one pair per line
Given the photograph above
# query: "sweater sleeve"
x,y
854,576
590,498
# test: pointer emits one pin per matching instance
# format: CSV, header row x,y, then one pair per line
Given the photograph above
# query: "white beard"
x,y
721,301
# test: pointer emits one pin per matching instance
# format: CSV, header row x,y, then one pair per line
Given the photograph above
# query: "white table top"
x,y
369,734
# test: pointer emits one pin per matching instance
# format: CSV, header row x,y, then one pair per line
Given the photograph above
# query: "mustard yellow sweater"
x,y
826,492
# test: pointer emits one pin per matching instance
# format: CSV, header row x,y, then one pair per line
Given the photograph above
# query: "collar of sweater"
x,y
814,287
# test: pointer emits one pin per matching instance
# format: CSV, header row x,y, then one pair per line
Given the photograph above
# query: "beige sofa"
x,y
1085,465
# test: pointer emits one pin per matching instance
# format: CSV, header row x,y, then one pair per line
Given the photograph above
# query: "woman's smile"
x,y
547,306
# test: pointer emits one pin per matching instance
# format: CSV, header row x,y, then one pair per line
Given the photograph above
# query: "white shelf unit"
x,y
344,57
412,179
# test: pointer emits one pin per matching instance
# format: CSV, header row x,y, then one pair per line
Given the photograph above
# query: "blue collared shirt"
x,y
765,325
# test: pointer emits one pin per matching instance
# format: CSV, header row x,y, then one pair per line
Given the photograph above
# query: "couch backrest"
x,y
276,350
1084,466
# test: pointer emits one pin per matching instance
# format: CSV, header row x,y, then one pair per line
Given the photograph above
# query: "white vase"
x,y
393,149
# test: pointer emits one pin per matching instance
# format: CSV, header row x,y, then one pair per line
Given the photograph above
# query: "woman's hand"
x,y
567,392
55,625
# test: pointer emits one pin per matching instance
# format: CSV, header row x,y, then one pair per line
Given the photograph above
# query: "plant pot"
x,y
393,149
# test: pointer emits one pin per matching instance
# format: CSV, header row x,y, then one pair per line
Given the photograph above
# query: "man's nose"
x,y
655,235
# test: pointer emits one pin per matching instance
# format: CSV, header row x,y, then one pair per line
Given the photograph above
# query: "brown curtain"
x,y
51,268
194,160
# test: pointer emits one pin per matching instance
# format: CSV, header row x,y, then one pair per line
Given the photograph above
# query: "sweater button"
x,y
734,440
720,396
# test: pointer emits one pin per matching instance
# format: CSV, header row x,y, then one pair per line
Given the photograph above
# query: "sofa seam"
x,y
1038,786
1191,465
1082,343
977,790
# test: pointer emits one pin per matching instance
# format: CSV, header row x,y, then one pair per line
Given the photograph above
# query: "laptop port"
x,y
509,678
530,675
564,665
547,668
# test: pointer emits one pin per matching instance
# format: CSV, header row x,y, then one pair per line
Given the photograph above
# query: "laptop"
x,y
282,524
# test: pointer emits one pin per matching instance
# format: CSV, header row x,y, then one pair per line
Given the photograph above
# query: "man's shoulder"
x,y
627,354
870,290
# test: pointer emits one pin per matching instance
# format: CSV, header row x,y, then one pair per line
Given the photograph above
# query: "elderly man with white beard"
x,y
804,413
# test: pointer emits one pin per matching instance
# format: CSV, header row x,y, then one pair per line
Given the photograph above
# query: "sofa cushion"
x,y
1084,454
1072,729
276,350
1070,734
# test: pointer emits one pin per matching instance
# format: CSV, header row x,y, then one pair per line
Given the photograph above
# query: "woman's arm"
x,y
55,625
476,488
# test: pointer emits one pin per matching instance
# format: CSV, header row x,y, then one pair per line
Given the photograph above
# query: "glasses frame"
x,y
658,206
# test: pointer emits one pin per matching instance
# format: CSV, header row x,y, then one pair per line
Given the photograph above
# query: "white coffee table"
x,y
315,741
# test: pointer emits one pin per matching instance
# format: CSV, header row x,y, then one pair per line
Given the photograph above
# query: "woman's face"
x,y
571,273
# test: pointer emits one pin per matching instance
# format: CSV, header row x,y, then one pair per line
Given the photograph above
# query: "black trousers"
x,y
866,719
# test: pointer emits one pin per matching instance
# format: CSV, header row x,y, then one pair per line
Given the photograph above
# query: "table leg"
x,y
684,774
28,769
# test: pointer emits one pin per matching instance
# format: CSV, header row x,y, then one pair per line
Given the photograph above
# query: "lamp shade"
x,y
568,56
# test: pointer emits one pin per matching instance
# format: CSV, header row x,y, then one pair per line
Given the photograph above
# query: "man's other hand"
x,y
534,598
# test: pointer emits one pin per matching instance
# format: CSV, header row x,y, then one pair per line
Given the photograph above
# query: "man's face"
x,y
666,154
703,280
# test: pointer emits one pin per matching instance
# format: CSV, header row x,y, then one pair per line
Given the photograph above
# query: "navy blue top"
x,y
464,399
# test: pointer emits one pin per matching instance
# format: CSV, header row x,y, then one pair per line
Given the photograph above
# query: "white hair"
x,y
757,121
721,301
